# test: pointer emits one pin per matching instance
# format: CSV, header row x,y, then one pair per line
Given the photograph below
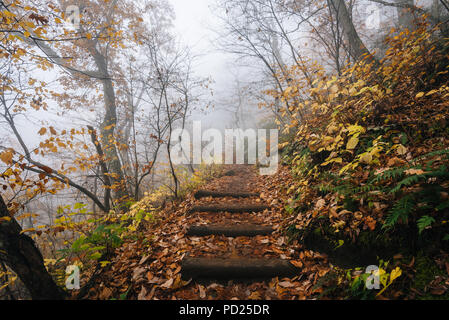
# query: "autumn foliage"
x,y
365,172
368,151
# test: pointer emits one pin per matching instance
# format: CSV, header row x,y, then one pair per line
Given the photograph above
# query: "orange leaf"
x,y
6,156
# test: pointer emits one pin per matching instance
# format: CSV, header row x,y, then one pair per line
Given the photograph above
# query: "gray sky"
x,y
193,25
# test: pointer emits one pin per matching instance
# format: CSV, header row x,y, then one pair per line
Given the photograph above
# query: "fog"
x,y
197,25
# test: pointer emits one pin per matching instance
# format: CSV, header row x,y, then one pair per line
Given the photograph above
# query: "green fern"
x,y
400,211
424,222
408,181
393,174
398,182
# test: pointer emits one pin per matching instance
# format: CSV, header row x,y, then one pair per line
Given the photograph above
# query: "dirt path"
x,y
206,248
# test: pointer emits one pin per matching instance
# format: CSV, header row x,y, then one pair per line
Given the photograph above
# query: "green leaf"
x,y
424,222
340,243
95,256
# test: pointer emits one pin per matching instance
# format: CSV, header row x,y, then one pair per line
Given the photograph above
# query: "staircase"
x,y
229,202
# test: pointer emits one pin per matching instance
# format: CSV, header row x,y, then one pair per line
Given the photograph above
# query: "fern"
x,y
408,181
400,211
433,154
442,206
389,174
424,222
420,201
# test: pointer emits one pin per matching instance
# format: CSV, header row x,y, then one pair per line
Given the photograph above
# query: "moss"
x,y
426,271
350,204
375,240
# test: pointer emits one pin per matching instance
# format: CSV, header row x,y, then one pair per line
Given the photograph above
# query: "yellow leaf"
x,y
419,95
366,158
28,230
88,36
104,263
42,131
395,274
354,129
383,277
352,143
337,160
282,145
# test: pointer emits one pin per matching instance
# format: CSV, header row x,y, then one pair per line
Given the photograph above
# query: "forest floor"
x,y
152,268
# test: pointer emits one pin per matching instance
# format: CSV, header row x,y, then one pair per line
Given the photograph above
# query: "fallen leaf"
x,y
105,293
401,150
202,291
438,291
167,284
254,296
286,284
320,203
138,273
144,259
143,294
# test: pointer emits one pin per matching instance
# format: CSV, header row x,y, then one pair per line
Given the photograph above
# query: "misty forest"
x,y
343,194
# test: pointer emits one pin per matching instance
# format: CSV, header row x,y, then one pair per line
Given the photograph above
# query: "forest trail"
x,y
222,242
235,208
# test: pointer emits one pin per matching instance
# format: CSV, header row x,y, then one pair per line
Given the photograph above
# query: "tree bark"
x,y
357,49
405,15
108,125
20,253
104,168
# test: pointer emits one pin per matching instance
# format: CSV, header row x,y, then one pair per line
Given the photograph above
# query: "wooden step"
x,y
218,194
238,230
237,268
232,208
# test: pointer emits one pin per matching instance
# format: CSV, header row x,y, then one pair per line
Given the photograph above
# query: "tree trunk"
x,y
20,253
405,15
108,126
356,47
